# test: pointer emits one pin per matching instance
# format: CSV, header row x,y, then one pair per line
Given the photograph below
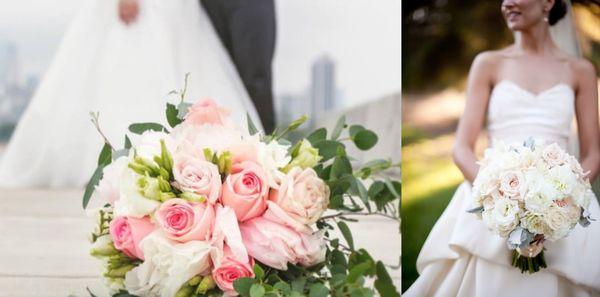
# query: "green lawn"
x,y
429,181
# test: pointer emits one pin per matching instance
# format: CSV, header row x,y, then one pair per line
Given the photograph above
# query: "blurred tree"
x,y
440,38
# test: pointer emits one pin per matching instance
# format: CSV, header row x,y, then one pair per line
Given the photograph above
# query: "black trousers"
x,y
247,30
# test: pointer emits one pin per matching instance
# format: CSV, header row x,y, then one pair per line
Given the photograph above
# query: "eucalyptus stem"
x,y
185,86
95,118
342,214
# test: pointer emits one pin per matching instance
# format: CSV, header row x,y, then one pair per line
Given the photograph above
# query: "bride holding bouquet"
x,y
531,89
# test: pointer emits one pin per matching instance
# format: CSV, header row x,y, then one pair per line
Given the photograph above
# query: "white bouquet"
x,y
529,193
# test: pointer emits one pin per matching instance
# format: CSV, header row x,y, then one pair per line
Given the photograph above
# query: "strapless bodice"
x,y
515,114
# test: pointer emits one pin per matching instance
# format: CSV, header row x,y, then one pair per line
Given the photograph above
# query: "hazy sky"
x,y
362,37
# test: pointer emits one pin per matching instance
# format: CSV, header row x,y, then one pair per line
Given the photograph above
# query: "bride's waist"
x,y
541,133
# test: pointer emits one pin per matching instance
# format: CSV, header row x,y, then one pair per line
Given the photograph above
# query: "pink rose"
x,y
206,111
230,269
276,245
184,221
512,184
300,200
243,151
128,232
197,176
245,190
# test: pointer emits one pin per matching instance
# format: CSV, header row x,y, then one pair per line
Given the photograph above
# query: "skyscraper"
x,y
323,87
9,75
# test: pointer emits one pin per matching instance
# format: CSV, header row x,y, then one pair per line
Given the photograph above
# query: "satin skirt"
x,y
461,257
125,73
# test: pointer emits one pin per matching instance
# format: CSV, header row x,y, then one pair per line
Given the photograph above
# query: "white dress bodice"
x,y
515,114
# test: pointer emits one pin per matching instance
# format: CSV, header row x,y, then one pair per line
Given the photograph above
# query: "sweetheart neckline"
x,y
532,94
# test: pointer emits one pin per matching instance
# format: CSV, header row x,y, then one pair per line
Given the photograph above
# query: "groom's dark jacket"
x,y
247,30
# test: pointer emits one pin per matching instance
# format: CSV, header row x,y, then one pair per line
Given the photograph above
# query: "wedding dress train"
x,y
125,73
461,257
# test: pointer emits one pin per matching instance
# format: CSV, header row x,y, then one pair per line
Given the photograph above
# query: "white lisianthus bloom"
x,y
563,178
168,266
131,200
534,223
503,217
271,157
148,145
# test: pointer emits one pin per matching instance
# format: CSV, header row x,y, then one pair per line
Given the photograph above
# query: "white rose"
x,y
131,201
558,221
554,155
168,266
512,184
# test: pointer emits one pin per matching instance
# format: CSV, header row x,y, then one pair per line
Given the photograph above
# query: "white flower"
x,y
563,179
512,184
534,223
168,266
148,145
271,157
558,221
503,217
131,201
554,155
107,189
194,138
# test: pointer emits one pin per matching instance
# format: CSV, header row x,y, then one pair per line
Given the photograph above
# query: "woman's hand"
x,y
128,11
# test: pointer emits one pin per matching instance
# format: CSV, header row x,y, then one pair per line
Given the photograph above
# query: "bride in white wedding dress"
x,y
123,68
529,89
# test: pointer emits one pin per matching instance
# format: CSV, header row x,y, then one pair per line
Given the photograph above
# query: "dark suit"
x,y
247,30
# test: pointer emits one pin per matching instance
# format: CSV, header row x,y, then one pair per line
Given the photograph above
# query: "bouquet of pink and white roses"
x,y
529,193
207,209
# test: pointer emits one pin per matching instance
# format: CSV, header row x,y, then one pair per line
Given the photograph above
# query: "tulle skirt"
x,y
123,72
461,257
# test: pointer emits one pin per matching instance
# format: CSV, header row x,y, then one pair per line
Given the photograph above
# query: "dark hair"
x,y
557,12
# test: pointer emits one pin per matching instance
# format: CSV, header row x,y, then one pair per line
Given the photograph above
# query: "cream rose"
x,y
300,201
554,155
195,175
512,184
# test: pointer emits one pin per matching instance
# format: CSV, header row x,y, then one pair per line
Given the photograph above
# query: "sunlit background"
x,y
440,38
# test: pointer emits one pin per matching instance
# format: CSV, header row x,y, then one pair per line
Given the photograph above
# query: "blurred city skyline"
x,y
363,40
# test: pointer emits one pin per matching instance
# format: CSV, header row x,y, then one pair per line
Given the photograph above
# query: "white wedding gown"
x,y
461,257
125,73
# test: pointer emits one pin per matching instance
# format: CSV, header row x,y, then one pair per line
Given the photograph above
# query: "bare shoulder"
x,y
486,63
581,67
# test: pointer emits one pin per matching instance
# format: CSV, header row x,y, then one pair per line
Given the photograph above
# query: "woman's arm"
x,y
586,108
478,91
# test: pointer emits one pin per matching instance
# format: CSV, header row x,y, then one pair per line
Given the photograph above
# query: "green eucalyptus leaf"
x,y
318,290
339,127
337,280
328,148
317,136
127,144
242,285
258,271
105,156
336,202
140,128
257,290
283,287
251,127
298,284
346,233
383,283
365,139
341,166
355,129
361,292
172,114
91,185
359,270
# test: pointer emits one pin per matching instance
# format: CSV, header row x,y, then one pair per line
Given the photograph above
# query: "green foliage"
x,y
172,113
140,128
91,185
